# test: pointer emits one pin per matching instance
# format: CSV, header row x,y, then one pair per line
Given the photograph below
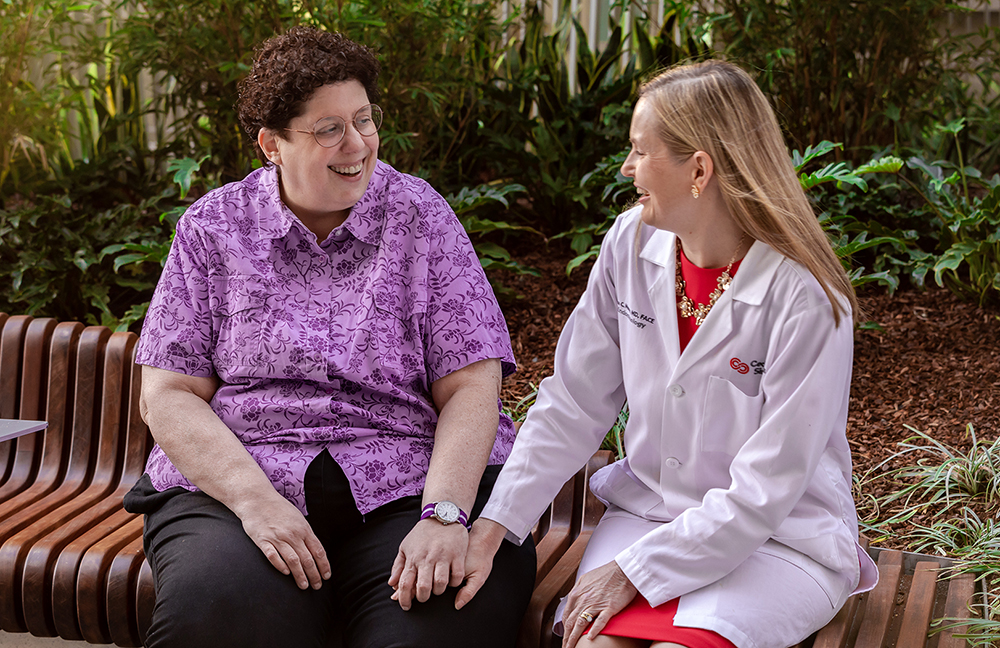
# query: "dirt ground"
x,y
933,362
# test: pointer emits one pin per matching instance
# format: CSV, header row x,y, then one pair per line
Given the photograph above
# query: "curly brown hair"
x,y
287,70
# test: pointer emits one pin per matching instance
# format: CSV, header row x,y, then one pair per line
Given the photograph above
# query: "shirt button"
x,y
672,462
676,390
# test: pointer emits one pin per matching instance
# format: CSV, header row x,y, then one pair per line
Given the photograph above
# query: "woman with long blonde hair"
x,y
730,522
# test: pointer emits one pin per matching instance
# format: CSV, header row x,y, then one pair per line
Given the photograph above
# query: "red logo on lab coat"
x,y
739,365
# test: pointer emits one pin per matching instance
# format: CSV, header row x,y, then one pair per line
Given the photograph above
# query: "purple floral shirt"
x,y
330,345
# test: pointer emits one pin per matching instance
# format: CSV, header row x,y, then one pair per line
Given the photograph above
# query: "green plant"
x,y
614,440
969,237
944,476
841,70
472,206
615,190
203,51
562,135
944,217
132,257
519,410
973,541
50,244
918,510
25,107
982,630
849,237
93,113
557,133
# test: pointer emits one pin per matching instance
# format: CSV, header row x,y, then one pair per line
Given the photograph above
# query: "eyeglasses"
x,y
329,131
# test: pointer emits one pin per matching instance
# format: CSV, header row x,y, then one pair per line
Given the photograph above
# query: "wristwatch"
x,y
445,512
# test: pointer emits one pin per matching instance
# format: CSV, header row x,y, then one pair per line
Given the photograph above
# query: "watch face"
x,y
447,512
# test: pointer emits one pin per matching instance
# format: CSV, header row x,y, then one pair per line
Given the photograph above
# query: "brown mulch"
x,y
932,363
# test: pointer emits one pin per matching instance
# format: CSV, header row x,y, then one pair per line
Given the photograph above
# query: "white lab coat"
x,y
736,448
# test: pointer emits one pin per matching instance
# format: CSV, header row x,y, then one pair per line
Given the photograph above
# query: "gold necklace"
x,y
724,281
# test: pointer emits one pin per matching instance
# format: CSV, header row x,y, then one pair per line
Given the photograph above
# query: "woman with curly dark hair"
x,y
321,370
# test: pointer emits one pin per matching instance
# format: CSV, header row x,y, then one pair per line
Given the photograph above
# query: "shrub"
x,y
851,72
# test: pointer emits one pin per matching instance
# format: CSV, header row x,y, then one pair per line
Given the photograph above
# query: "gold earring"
x,y
695,191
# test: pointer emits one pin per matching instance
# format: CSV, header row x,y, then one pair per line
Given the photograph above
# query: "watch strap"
x,y
428,512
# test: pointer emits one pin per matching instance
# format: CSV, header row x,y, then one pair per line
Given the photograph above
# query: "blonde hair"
x,y
715,107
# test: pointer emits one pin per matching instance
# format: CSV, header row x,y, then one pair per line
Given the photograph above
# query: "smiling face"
x,y
321,185
663,183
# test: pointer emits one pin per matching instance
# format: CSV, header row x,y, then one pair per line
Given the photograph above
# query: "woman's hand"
x,y
431,557
601,593
282,533
484,540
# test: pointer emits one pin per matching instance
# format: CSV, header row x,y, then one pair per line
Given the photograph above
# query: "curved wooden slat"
x,y
70,573
559,533
122,602
57,343
106,570
39,459
40,544
25,337
33,368
74,579
145,597
12,330
64,472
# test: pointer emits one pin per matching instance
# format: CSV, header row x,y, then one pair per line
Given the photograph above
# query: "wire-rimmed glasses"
x,y
329,131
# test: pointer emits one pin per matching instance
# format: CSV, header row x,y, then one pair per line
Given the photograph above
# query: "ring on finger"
x,y
587,616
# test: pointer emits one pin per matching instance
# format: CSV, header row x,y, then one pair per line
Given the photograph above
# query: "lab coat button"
x,y
672,462
676,390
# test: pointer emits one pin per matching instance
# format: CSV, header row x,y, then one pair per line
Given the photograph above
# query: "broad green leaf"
x,y
888,164
799,160
954,127
184,169
492,250
577,261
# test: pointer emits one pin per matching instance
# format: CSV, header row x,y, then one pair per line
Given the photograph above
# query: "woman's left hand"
x,y
431,557
601,594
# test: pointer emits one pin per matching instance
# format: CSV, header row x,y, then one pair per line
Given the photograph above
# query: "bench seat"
x,y
71,559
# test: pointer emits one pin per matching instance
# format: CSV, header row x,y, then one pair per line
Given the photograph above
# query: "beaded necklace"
x,y
700,312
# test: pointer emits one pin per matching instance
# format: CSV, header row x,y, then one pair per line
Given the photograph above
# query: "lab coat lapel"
x,y
658,253
716,328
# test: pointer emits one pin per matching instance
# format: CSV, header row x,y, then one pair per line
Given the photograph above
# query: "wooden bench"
x,y
71,559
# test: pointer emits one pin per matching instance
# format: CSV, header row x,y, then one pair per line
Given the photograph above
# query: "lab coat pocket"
x,y
729,417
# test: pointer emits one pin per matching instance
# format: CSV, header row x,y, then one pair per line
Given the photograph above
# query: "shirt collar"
x,y
365,222
750,283
368,215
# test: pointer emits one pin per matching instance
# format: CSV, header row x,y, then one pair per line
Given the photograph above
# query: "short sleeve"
x,y
177,332
464,323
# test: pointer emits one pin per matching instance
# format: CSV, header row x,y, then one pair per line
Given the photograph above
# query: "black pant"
x,y
214,587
